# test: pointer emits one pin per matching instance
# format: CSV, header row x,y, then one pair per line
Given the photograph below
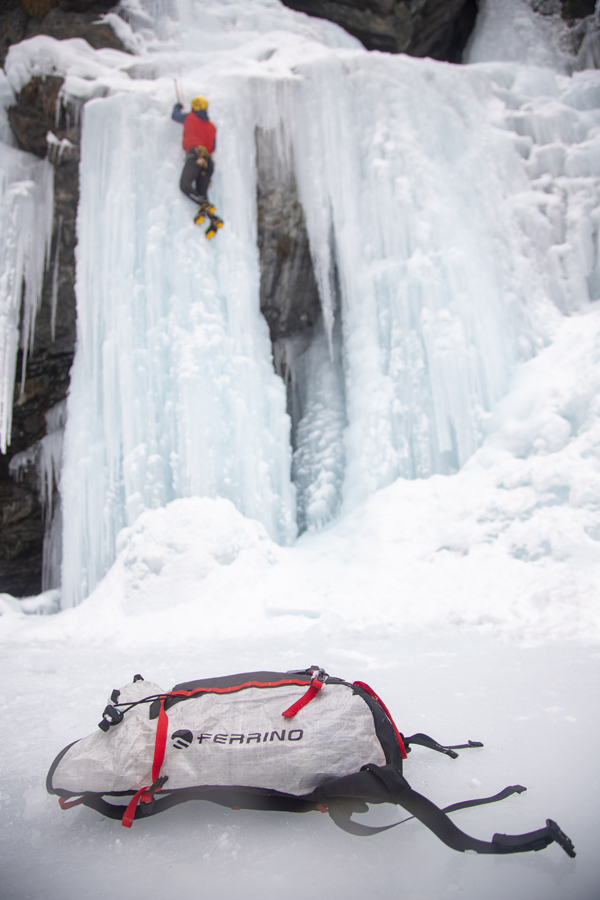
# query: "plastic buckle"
x,y
146,806
318,674
110,717
561,838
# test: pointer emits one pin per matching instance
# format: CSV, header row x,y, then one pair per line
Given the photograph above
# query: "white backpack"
x,y
293,741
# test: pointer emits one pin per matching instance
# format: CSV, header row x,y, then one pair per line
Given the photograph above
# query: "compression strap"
x,y
146,794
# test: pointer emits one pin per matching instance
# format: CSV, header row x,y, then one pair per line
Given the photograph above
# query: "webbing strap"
x,y
424,740
365,830
313,690
341,809
146,794
161,741
228,797
444,828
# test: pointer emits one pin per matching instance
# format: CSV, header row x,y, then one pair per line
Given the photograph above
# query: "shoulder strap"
x,y
444,828
341,811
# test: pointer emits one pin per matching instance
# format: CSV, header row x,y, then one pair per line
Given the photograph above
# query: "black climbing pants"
x,y
196,175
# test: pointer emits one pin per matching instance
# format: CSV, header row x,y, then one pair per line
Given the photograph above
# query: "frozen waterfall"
x,y
452,213
173,392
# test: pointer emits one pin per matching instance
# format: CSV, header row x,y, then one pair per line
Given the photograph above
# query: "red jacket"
x,y
198,132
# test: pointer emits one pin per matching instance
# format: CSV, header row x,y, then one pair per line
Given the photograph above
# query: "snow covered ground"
x,y
468,599
535,709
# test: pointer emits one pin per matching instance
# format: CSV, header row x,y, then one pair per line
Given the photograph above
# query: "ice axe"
x,y
177,92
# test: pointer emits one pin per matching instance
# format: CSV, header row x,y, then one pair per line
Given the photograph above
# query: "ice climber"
x,y
199,140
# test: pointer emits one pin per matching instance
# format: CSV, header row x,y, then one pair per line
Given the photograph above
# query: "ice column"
x,y
304,320
404,179
173,393
26,205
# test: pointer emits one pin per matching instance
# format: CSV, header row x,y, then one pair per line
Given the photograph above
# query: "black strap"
x,y
394,788
229,797
340,812
502,795
444,828
112,811
424,740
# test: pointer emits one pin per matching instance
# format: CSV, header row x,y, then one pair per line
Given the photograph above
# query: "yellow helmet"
x,y
199,103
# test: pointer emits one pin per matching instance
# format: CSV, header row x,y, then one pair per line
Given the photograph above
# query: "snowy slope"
x,y
460,209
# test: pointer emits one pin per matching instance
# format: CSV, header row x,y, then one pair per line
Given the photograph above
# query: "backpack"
x,y
291,741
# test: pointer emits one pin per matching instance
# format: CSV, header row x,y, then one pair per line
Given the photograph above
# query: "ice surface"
x,y
511,31
532,708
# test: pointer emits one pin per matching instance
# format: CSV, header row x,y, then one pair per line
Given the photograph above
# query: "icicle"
x,y
49,461
49,465
26,204
55,270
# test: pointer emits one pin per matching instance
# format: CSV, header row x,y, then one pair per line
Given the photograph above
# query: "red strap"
x,y
67,804
159,754
372,694
129,814
161,741
313,690
237,687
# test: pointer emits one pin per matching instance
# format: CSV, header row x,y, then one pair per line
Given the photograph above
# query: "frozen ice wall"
x,y
459,207
453,220
26,197
173,392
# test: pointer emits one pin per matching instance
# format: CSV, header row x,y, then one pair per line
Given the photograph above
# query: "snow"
x,y
447,456
532,708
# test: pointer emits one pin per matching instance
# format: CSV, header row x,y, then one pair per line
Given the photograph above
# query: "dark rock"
x,y
95,6
577,9
60,19
289,298
21,538
34,113
51,357
40,8
436,28
568,9
61,25
13,24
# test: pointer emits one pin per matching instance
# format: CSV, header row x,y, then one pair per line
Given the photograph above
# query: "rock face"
x,y
289,298
61,19
47,372
577,9
436,28
22,525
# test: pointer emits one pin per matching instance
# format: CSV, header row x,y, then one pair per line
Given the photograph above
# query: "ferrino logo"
x,y
182,739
